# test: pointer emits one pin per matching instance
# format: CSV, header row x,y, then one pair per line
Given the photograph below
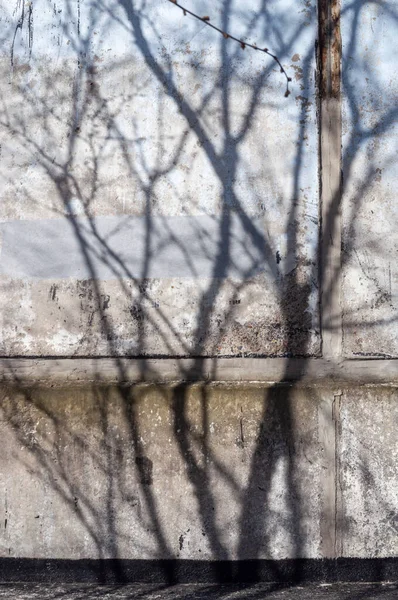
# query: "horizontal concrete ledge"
x,y
264,371
175,571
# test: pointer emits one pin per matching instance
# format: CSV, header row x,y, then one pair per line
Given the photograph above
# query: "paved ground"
x,y
199,592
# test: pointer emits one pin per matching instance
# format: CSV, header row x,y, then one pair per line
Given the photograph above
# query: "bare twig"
x,y
243,45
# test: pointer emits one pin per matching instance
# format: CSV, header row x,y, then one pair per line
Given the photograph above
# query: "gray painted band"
x,y
126,246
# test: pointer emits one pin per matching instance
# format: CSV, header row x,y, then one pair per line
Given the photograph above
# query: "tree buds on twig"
x,y
243,45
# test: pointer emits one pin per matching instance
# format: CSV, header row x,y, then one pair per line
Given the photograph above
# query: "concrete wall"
x,y
370,243
146,152
198,291
198,472
150,473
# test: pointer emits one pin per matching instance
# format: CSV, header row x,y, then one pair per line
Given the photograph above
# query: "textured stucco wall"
x,y
198,472
368,473
159,196
160,473
146,152
370,213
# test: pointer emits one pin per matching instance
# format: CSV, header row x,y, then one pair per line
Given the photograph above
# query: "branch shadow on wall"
x,y
125,436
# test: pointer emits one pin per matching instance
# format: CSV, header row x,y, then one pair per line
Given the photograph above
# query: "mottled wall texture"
x,y
370,209
198,472
166,209
159,194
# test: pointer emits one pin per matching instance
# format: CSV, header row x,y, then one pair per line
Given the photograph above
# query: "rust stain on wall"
x,y
329,48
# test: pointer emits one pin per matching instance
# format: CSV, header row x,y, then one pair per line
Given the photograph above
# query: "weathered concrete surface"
x,y
368,473
151,472
370,144
159,197
135,113
197,472
261,372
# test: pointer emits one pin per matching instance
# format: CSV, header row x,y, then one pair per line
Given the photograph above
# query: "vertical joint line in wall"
x,y
329,83
337,491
